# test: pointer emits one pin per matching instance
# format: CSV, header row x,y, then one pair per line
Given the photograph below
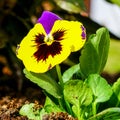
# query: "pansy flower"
x,y
50,42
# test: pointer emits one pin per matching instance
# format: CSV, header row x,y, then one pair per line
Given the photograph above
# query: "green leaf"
x,y
95,53
45,82
116,89
117,2
67,75
77,93
51,106
29,111
73,6
108,114
102,91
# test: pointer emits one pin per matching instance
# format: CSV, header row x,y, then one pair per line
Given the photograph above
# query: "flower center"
x,y
49,39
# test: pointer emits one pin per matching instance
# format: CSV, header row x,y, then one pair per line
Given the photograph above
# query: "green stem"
x,y
59,76
58,69
68,107
94,110
79,114
63,104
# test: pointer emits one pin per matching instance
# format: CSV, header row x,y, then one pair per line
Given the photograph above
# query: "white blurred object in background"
x,y
106,14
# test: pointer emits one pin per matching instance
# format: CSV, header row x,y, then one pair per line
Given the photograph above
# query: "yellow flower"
x,y
50,42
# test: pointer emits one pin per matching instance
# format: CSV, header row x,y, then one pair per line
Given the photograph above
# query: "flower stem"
x,y
59,75
61,100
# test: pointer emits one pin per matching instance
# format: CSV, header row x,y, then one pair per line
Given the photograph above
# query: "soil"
x,y
12,100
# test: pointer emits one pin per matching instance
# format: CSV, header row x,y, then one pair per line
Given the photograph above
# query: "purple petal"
x,y
83,32
47,19
83,35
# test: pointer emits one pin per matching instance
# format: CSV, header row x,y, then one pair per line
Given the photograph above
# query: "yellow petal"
x,y
73,33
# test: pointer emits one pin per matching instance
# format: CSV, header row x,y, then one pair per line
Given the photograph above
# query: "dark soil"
x,y
11,101
58,116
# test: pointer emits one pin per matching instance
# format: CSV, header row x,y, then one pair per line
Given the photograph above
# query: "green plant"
x,y
80,91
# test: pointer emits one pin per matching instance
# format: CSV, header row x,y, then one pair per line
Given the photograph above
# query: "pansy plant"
x,y
50,42
80,90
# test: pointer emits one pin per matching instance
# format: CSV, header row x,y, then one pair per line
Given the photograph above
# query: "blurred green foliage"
x,y
72,6
113,62
117,2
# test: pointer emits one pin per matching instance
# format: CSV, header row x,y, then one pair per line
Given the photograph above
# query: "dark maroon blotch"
x,y
58,35
39,38
44,51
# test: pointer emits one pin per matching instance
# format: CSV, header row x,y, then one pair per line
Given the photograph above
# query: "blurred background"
x,y
17,17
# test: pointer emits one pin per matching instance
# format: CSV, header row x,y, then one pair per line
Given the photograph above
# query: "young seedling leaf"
x,y
28,110
77,93
102,91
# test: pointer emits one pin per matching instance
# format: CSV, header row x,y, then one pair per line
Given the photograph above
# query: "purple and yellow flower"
x,y
50,42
